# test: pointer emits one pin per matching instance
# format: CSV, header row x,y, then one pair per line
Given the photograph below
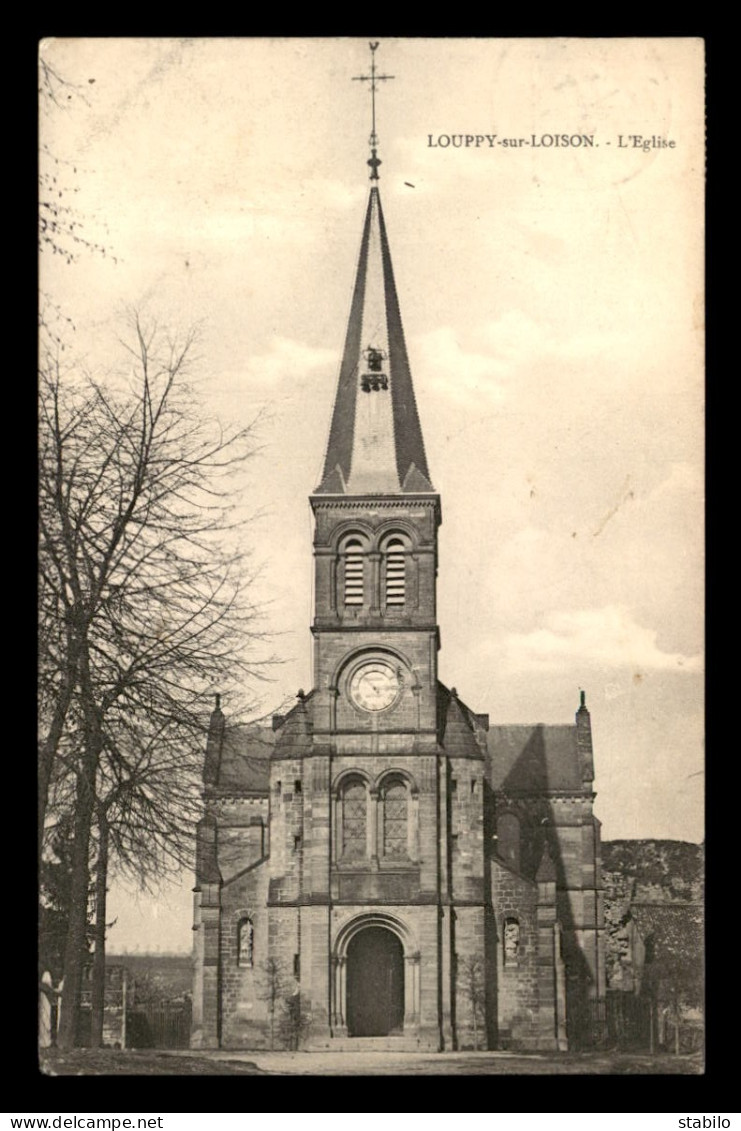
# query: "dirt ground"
x,y
85,1062
110,1062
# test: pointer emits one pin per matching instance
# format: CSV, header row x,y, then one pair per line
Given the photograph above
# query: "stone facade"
x,y
384,864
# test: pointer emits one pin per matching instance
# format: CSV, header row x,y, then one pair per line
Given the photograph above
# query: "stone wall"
x,y
656,871
518,993
244,978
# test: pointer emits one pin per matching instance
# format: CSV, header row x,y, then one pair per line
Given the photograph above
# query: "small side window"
x,y
508,842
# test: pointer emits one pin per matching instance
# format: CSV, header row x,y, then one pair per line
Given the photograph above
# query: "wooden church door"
x,y
375,984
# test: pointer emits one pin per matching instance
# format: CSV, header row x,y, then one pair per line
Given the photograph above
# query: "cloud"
x,y
683,479
337,194
457,372
288,359
508,356
607,636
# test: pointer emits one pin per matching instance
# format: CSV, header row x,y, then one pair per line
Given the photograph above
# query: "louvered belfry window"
x,y
354,820
395,814
395,573
353,573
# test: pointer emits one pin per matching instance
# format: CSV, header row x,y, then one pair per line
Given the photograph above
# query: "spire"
x,y
584,739
214,744
375,440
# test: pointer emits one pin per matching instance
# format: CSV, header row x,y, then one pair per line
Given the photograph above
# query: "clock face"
x,y
374,686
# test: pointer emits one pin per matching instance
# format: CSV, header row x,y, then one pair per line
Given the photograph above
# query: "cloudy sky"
x,y
552,303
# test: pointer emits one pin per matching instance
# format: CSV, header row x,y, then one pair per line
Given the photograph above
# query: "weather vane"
x,y
373,78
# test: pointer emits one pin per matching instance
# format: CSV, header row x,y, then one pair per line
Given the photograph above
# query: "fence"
x,y
586,1024
631,1022
164,1025
628,1021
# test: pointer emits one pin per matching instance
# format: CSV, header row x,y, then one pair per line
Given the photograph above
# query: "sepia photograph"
x,y
371,556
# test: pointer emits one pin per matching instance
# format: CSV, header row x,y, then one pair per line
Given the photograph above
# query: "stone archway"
x,y
375,978
375,984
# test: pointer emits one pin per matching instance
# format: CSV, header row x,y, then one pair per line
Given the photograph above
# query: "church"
x,y
387,867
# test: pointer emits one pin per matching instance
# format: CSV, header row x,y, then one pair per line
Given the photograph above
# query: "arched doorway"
x,y
375,983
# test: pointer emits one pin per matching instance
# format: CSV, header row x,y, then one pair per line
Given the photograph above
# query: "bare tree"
x,y
674,980
471,979
61,226
144,602
295,1020
272,991
148,803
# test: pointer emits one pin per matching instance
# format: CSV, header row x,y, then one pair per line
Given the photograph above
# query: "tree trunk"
x,y
76,946
48,751
98,983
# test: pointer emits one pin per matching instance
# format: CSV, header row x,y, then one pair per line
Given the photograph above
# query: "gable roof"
x,y
534,758
293,732
528,758
245,758
460,730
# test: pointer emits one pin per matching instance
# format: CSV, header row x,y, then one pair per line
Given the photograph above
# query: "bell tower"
x,y
384,865
363,852
368,854
376,518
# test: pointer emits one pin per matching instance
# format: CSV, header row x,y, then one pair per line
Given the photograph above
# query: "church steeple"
x,y
375,439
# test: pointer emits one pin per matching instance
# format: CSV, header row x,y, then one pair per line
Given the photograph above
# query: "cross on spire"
x,y
373,78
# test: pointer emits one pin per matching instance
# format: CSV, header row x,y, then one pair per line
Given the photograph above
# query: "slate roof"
x,y
293,737
375,439
245,758
528,758
460,730
533,757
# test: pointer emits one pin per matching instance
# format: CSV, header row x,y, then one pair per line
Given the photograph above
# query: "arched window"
x,y
511,942
353,552
245,942
508,839
395,572
354,820
395,820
